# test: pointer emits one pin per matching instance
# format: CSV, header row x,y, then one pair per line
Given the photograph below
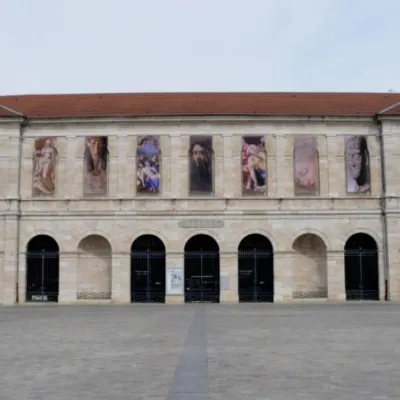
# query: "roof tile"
x,y
201,104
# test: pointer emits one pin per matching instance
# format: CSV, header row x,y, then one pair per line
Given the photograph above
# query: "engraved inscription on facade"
x,y
201,223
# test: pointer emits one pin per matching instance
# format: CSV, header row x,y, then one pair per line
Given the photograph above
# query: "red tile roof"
x,y
201,104
394,110
6,112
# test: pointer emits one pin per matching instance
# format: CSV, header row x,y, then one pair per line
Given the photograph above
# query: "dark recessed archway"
x,y
361,268
202,280
256,269
148,270
42,269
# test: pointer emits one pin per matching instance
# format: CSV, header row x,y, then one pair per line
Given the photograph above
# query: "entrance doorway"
x,y
361,268
256,269
42,269
202,270
148,270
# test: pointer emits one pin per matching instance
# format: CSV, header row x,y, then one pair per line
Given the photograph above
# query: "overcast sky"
x,y
79,46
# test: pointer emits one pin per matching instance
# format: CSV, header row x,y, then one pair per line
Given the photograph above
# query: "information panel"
x,y
175,281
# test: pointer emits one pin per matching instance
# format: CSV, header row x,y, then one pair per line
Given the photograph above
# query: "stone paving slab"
x,y
310,352
198,352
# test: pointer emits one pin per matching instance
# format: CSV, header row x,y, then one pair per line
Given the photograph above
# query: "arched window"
x,y
254,165
201,165
148,161
44,166
96,166
358,175
306,167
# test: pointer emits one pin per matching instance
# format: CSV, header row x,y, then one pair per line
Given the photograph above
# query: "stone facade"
x,y
308,234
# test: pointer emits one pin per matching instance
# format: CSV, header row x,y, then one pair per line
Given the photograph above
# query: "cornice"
x,y
201,119
181,215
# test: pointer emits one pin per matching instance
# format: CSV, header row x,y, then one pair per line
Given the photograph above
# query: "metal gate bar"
x,y
42,277
256,276
148,276
361,275
202,277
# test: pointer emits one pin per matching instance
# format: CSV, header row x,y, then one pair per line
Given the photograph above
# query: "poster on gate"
x,y
174,281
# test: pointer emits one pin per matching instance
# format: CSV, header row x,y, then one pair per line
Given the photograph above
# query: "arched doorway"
x,y
94,269
361,268
42,269
148,270
256,269
309,269
202,269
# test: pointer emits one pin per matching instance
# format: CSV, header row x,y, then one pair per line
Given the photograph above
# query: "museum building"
x,y
200,197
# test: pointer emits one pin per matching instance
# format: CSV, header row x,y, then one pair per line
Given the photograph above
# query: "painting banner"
x,y
357,165
201,165
254,165
306,166
44,166
148,157
96,157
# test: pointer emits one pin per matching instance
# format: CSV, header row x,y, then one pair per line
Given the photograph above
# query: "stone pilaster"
x,y
382,275
282,277
10,272
219,181
1,276
68,277
74,169
335,169
323,165
121,278
22,278
113,167
229,275
177,167
230,168
280,167
126,168
336,281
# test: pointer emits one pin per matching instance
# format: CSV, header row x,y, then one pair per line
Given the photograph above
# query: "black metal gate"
x,y
42,276
202,280
256,275
148,270
361,274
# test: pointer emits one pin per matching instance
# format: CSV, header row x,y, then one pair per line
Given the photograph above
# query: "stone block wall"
x,y
122,215
391,132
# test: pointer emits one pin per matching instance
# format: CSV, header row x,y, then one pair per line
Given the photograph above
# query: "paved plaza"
x,y
200,351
